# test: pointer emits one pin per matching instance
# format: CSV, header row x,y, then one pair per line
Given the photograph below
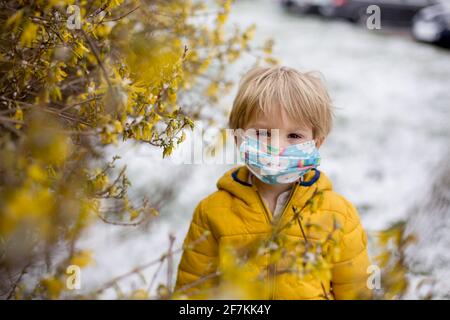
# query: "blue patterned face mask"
x,y
279,165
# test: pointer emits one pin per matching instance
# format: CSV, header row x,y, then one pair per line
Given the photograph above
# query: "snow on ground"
x,y
391,129
429,221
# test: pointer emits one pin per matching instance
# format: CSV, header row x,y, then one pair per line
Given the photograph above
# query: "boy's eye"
x,y
294,136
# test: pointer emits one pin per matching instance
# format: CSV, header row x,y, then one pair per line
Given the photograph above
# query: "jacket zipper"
x,y
266,210
272,267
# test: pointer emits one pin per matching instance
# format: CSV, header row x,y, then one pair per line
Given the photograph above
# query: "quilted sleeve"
x,y
349,273
199,260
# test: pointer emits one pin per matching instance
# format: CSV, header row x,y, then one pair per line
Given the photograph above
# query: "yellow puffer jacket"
x,y
236,216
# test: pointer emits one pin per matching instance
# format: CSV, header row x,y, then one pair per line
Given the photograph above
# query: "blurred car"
x,y
393,12
432,25
303,6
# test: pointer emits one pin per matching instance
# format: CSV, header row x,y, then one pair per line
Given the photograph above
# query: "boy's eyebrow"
x,y
301,129
261,126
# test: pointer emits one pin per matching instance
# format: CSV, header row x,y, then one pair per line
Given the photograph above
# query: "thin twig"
x,y
199,281
170,263
97,57
122,16
16,283
137,269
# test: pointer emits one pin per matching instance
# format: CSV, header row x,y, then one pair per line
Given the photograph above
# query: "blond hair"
x,y
302,95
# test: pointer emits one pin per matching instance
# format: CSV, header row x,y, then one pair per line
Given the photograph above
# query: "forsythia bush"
x,y
75,77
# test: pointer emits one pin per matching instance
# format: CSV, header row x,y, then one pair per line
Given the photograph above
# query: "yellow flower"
x,y
134,214
53,286
36,173
80,49
15,19
118,126
172,95
60,74
82,258
139,294
18,115
29,34
212,89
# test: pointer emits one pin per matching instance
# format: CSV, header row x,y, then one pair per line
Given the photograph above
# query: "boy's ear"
x,y
319,142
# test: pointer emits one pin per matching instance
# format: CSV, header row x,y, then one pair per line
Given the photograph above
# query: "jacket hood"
x,y
234,181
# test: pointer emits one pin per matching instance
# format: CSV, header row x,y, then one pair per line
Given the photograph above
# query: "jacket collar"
x,y
234,181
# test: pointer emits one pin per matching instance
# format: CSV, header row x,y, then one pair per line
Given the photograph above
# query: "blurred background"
x,y
140,73
387,152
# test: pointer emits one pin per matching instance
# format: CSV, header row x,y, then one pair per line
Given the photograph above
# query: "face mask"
x,y
279,165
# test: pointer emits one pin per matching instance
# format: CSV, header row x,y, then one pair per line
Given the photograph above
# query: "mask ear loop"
x,y
239,137
239,134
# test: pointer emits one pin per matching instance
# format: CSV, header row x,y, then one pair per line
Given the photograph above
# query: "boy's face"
x,y
289,131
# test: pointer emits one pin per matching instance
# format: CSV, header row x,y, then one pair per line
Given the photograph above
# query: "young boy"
x,y
278,202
